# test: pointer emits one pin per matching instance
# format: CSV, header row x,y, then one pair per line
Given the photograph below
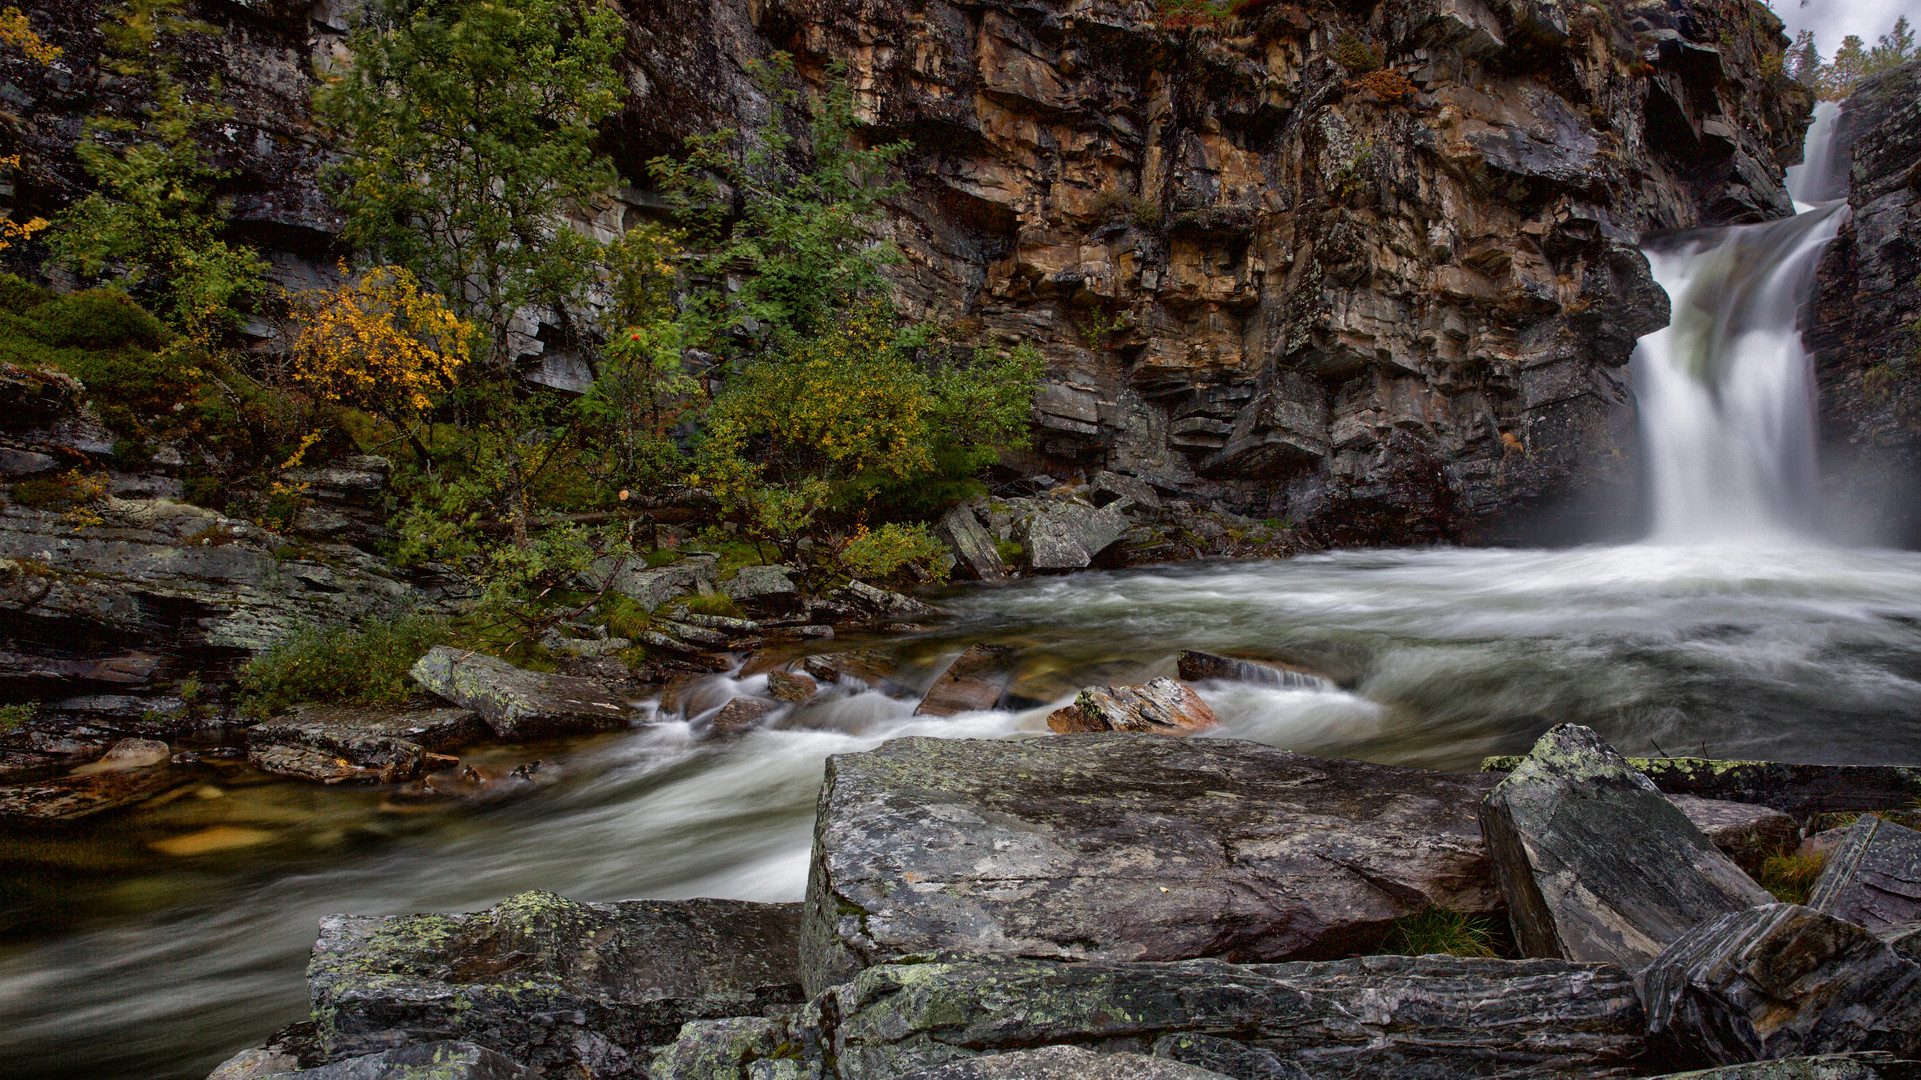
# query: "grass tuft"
x,y
1438,930
1791,877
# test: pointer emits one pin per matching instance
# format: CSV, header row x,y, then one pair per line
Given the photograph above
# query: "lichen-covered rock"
x,y
349,745
1063,1063
441,1060
517,703
738,715
766,586
728,1049
650,588
1778,981
1161,707
973,546
1595,863
974,681
1822,1067
1873,876
1798,790
1117,847
1435,1017
1067,535
565,988
881,604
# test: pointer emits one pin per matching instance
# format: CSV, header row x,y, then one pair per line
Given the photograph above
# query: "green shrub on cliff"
x,y
348,665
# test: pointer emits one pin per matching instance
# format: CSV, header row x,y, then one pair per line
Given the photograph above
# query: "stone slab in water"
x,y
348,745
1064,1063
1197,666
1799,791
442,1060
517,703
1778,981
1873,878
1820,1067
566,988
1161,707
1434,1017
973,546
71,798
973,682
1119,847
1595,863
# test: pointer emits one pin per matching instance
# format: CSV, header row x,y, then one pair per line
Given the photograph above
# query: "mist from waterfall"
x,y
1726,390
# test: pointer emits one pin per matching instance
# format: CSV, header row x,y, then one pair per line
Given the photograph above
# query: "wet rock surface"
x,y
975,680
345,745
1120,847
565,988
1595,863
517,703
1873,876
1779,980
1200,667
1745,833
1161,707
1063,1063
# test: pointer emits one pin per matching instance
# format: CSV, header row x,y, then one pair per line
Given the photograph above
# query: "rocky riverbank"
x,y
1123,905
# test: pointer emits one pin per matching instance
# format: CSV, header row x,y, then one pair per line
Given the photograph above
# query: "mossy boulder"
x,y
517,703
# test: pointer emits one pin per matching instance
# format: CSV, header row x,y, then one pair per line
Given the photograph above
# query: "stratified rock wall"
x,y
1393,309
1863,325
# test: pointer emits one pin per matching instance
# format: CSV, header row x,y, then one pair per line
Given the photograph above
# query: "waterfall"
x,y
1726,390
1820,177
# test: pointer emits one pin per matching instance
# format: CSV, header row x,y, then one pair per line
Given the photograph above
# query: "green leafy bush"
x,y
355,665
885,552
1356,55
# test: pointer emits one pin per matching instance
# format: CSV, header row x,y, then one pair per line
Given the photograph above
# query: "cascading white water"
x,y
1726,390
1819,178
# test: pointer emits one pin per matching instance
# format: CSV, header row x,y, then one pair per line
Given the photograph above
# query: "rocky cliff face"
x,y
1863,325
1396,303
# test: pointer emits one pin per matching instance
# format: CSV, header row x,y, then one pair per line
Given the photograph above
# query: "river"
x,y
1734,632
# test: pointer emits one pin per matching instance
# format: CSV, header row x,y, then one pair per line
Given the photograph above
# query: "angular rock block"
x,y
972,545
1799,791
1822,1067
1161,707
1595,863
1064,1063
791,686
442,1060
1873,878
1116,847
1199,667
1434,1017
973,682
358,745
515,703
650,588
71,798
1067,536
1744,832
565,988
1778,981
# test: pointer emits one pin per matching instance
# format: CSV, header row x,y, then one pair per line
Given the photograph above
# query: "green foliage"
x,y
889,551
717,604
642,390
1011,551
1438,930
1191,14
1791,877
14,716
154,220
363,665
469,128
623,616
1853,61
1356,55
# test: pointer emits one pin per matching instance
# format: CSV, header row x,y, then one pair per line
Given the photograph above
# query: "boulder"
x,y
631,577
439,1060
516,703
1114,847
791,685
885,605
766,586
1199,667
353,745
1873,878
1435,1017
1161,707
1067,535
738,715
866,665
256,1063
71,798
1063,1063
1744,832
726,1049
20,765
1822,1067
1800,791
973,682
1108,488
1904,939
973,546
129,754
565,988
1778,981
1595,863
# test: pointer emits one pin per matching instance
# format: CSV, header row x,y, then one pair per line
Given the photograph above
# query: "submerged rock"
x,y
71,798
1873,877
1161,707
516,703
973,682
791,685
1780,980
566,988
1595,863
359,745
1121,848
1435,1017
1200,667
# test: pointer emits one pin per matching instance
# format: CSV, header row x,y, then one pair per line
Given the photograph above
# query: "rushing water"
x,y
152,945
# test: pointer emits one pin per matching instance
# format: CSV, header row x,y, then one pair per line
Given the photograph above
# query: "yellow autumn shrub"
x,y
379,342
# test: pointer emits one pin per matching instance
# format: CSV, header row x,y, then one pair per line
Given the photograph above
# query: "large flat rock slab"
x,y
348,745
1595,862
517,703
1120,846
1797,790
1779,981
1434,1017
566,988
1873,879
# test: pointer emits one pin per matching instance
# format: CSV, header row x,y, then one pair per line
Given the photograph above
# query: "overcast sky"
x,y
1832,20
